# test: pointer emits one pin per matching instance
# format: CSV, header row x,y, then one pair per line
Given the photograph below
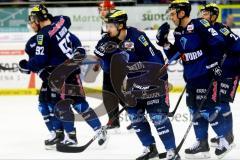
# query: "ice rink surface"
x,y
22,133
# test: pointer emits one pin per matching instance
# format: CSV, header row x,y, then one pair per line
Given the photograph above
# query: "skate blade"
x,y
50,147
224,154
154,158
202,155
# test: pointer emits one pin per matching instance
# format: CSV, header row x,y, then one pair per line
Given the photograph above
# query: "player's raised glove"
x,y
23,67
215,70
162,35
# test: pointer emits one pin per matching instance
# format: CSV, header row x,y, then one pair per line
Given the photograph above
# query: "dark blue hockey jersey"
x,y
199,45
232,44
30,46
54,44
142,49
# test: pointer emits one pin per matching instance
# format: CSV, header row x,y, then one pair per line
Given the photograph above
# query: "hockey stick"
x,y
171,114
168,63
195,116
77,149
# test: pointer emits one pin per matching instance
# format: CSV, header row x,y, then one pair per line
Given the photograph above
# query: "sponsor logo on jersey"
x,y
205,22
177,33
225,31
98,52
40,39
57,26
151,51
154,101
193,55
143,40
135,67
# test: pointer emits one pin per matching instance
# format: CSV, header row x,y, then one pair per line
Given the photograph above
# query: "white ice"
x,y
22,133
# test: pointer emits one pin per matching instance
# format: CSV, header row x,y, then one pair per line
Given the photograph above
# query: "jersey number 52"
x,y
66,46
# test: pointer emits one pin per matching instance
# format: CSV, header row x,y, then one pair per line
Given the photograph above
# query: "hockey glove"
x,y
162,35
79,54
215,70
23,67
44,74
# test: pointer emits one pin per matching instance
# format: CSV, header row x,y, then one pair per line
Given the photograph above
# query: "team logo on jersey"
x,y
190,28
143,40
128,46
183,42
225,31
205,22
40,39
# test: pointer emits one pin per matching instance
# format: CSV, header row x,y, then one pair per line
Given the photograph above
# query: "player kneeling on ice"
x,y
138,48
202,54
54,44
228,86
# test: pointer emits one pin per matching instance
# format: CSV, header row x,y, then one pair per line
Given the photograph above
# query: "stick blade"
x,y
72,149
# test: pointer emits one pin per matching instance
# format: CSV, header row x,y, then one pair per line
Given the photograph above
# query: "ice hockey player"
x,y
141,50
228,86
53,47
201,49
110,98
45,106
104,8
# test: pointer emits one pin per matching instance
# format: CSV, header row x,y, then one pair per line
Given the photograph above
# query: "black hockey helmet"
x,y
212,8
181,5
39,13
117,16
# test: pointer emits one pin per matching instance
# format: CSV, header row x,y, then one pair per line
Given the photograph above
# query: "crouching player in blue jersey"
x,y
228,86
201,49
54,45
139,49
